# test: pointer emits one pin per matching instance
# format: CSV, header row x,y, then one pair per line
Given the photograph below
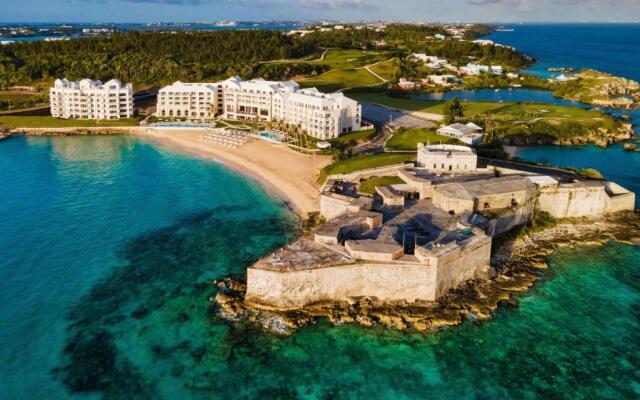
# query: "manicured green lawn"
x,y
396,102
511,121
351,58
346,69
51,122
341,58
506,111
366,161
21,100
340,79
369,186
356,137
386,69
409,139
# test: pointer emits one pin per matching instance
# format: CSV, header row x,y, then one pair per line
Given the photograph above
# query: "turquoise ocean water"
x,y
107,245
610,48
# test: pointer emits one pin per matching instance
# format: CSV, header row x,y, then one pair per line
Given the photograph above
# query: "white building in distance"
x,y
442,80
87,99
447,158
477,69
432,61
469,133
323,116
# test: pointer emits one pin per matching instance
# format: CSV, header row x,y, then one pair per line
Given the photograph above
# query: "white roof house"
x,y
469,133
443,80
565,78
477,69
474,126
484,42
496,69
431,61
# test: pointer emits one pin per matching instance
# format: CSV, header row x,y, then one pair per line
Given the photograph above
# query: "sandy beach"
x,y
289,175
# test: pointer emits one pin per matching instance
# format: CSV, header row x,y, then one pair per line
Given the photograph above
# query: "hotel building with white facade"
x,y
88,99
323,116
190,100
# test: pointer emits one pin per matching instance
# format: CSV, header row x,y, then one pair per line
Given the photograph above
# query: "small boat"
x,y
497,90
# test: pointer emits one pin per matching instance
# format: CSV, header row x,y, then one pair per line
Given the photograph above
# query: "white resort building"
x,y
253,99
191,100
88,99
323,116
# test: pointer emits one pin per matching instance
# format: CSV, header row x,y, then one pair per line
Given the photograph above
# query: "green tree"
x,y
453,110
340,151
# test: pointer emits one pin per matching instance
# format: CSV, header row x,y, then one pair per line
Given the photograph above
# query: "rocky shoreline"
x,y
601,137
601,89
519,263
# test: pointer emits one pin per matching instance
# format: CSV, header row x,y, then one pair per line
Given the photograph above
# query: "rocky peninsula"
x,y
599,89
519,261
446,245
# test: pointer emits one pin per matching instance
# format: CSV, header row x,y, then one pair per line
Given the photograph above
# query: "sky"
x,y
342,10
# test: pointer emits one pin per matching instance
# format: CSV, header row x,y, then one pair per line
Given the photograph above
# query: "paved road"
x,y
377,144
382,115
386,120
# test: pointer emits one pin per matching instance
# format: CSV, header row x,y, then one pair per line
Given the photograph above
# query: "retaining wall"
x,y
593,201
396,281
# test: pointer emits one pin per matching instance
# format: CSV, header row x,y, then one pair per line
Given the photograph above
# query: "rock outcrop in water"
x,y
519,263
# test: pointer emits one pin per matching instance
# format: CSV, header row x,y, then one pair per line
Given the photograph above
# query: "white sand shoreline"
x,y
287,175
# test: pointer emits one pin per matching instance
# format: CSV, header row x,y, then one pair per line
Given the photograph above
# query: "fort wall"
x,y
393,281
571,201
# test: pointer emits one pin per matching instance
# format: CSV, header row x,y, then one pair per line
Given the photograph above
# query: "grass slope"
x,y
21,100
366,161
346,69
356,137
409,139
341,79
386,69
351,58
369,186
